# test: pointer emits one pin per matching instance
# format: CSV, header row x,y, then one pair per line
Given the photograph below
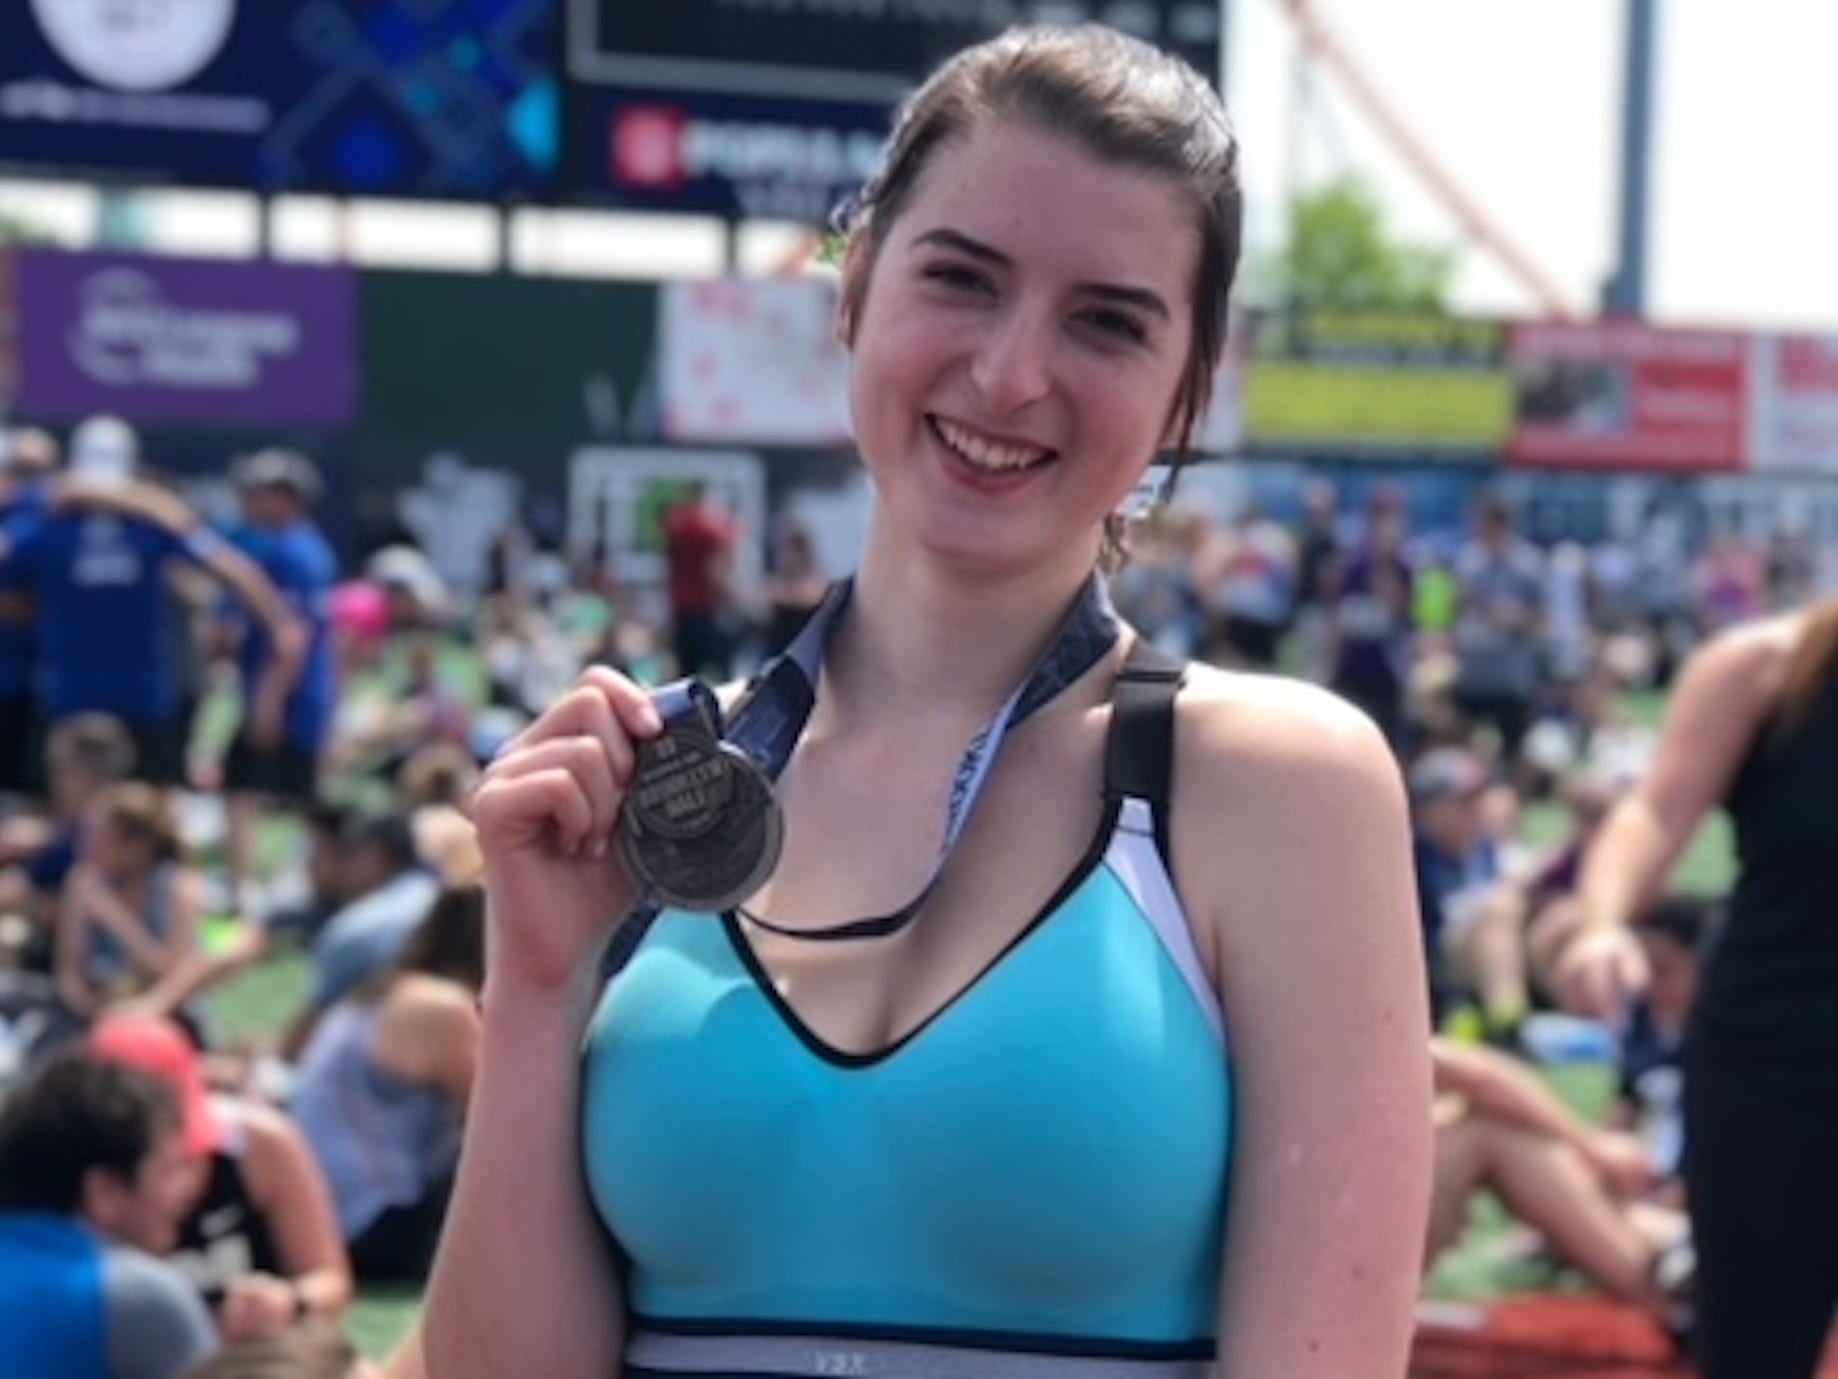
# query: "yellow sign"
x,y
1287,402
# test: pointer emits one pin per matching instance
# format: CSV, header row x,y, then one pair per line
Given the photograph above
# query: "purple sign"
x,y
186,341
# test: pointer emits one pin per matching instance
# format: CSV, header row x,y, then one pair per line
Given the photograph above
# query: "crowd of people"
x,y
1498,671
362,709
218,743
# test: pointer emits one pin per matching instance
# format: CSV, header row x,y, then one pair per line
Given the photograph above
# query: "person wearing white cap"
x,y
104,452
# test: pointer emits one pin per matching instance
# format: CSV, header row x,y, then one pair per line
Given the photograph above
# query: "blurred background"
x,y
489,227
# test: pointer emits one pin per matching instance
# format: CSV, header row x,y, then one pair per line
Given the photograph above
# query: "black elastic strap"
x,y
1139,752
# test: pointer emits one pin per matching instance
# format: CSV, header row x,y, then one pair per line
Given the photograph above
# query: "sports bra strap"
x,y
1139,755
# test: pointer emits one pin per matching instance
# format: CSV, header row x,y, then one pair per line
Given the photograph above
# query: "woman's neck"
x,y
922,637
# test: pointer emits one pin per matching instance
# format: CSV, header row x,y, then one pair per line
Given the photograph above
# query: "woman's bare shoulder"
x,y
1244,728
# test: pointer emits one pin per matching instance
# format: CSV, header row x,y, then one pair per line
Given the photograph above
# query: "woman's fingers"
x,y
571,766
603,704
637,714
599,768
519,805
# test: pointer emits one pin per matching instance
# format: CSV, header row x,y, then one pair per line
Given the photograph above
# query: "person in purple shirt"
x,y
278,490
1370,620
94,564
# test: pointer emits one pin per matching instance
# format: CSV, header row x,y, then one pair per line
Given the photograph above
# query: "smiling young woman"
x,y
973,1108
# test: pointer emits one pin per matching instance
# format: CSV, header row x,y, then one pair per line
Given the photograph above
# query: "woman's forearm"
x,y
1628,862
523,1284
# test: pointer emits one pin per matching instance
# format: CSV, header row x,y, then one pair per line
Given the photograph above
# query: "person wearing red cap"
x,y
259,1239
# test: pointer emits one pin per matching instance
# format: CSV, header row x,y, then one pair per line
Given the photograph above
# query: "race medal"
x,y
700,826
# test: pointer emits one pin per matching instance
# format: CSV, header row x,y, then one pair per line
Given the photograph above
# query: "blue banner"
x,y
434,98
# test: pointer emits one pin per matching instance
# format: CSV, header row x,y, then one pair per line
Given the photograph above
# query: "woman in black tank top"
x,y
1753,727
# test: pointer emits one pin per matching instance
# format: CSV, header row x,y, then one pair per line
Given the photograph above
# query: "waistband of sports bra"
x,y
652,1354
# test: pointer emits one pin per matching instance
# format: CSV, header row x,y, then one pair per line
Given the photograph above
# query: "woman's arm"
x,y
73,985
196,974
155,957
290,1191
1723,695
429,1034
1498,1086
524,1282
1290,835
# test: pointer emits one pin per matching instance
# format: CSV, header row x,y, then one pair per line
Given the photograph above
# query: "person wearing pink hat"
x,y
259,1240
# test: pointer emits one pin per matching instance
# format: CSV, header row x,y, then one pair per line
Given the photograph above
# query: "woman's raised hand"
x,y
546,811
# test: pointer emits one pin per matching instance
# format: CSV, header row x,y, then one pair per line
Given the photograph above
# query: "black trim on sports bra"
x,y
844,1058
1138,764
1027,1343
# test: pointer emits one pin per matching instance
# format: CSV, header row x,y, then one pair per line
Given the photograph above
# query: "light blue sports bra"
x,y
1036,1175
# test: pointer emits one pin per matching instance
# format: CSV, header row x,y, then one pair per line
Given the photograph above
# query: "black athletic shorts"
x,y
22,744
286,772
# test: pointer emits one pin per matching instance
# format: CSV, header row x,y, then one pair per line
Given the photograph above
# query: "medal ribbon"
x,y
769,720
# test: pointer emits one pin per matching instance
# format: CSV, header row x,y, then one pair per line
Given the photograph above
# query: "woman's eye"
x,y
958,277
1115,325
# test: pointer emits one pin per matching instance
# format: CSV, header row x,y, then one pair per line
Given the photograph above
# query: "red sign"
x,y
1620,395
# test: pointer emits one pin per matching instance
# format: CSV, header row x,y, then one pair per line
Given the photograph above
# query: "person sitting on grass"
x,y
1473,914
259,1239
84,755
382,1088
130,908
1581,1187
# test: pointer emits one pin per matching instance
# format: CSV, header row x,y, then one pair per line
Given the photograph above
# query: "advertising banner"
x,y
1793,404
777,108
1417,385
756,362
443,98
643,148
9,334
186,341
1621,395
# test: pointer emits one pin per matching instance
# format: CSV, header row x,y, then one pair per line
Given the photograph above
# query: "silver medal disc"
x,y
701,826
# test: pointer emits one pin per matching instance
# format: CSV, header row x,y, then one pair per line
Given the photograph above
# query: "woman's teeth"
x,y
986,454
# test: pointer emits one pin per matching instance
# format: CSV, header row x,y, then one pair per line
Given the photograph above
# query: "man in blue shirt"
x,y
94,1180
278,490
94,564
27,460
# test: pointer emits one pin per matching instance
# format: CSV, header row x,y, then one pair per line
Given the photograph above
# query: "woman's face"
x,y
1024,330
107,846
